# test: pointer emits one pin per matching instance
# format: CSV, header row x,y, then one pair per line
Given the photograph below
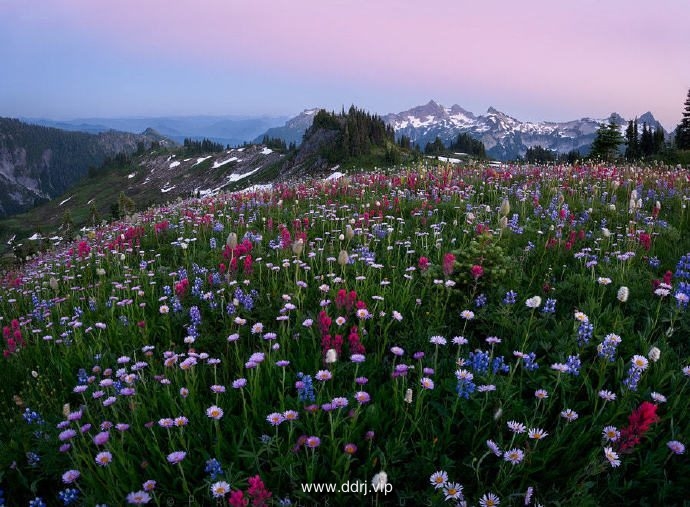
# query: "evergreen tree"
x,y
465,143
646,141
607,141
659,138
68,225
94,216
405,142
570,158
683,130
539,155
126,205
632,140
435,148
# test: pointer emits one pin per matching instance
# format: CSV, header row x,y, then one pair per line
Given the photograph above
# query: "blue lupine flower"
x,y
32,459
510,297
573,363
633,378
176,305
584,333
213,468
529,362
480,301
479,361
465,385
549,306
498,365
32,417
607,348
69,496
306,390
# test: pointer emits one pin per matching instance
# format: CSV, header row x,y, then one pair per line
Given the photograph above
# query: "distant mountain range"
x,y
504,137
227,130
38,162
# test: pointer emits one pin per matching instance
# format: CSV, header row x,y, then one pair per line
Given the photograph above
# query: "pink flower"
x,y
477,271
448,264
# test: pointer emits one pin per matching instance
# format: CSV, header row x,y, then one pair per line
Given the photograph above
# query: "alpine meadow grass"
x,y
460,333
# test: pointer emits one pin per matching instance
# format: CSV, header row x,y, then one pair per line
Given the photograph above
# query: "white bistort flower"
x,y
533,302
623,294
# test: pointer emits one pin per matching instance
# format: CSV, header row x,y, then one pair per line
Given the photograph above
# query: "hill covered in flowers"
x,y
434,335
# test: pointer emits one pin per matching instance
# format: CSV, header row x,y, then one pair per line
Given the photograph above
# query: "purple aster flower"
x,y
176,457
101,438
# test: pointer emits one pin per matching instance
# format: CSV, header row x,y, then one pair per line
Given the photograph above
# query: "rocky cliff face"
x,y
39,163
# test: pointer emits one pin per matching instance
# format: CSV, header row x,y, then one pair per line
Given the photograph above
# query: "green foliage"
x,y
683,129
465,143
57,159
125,205
361,138
435,148
632,140
539,155
486,252
195,147
67,226
607,142
113,301
277,144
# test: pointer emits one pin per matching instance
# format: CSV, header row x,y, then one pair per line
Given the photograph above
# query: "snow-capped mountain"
x,y
504,137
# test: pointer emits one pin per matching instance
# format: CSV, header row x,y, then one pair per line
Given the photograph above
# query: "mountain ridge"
x,y
504,136
39,163
232,130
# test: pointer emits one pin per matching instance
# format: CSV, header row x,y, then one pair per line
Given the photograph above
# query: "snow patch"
x,y
334,176
237,177
257,188
173,164
167,189
201,159
36,236
266,151
63,202
131,175
90,201
217,164
449,159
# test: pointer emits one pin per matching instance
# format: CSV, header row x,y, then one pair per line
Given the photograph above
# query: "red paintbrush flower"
x,y
639,422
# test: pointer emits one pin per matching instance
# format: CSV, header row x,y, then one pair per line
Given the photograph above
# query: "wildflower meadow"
x,y
451,335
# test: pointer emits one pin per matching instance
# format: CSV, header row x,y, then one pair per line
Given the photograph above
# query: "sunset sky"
x,y
533,59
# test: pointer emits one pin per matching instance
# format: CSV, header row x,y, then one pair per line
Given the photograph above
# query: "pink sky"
x,y
536,60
